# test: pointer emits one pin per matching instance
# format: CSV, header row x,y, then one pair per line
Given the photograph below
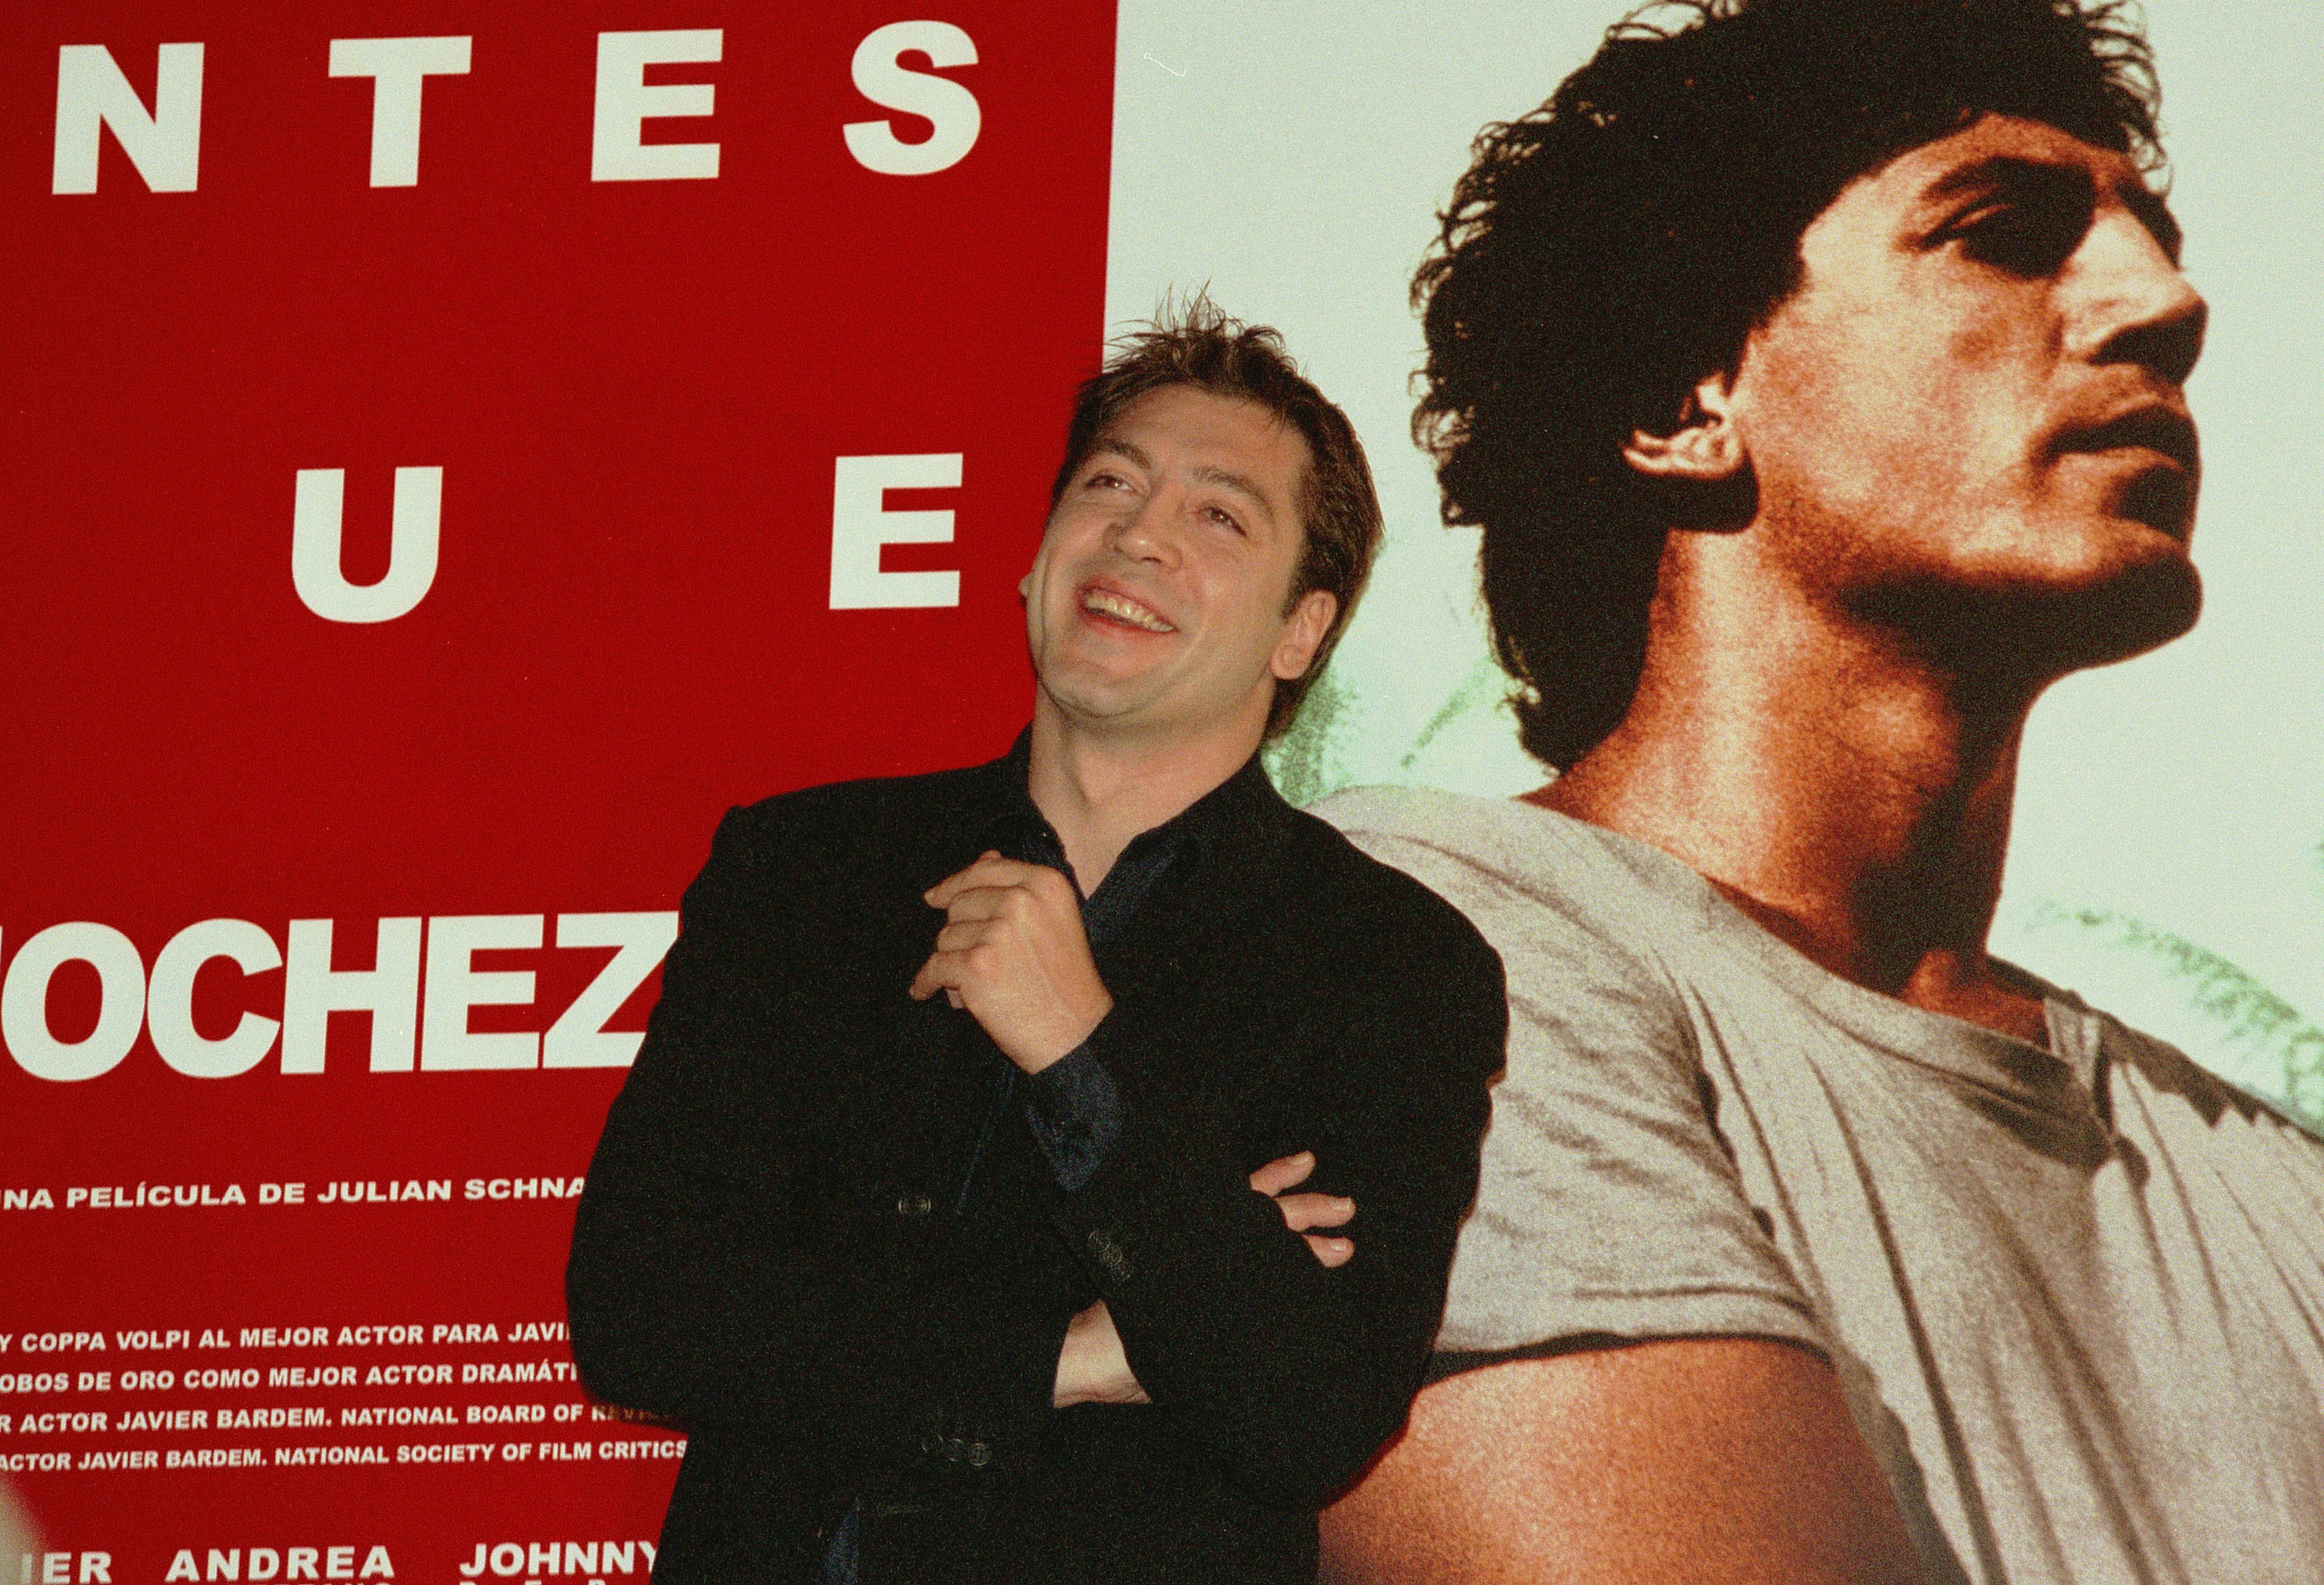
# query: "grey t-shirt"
x,y
2075,1301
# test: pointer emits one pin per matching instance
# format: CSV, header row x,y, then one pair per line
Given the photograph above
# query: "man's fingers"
x,y
942,972
990,871
980,902
1283,1172
1302,1211
1332,1252
963,934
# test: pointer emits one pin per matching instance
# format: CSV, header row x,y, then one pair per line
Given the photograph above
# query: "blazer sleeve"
x,y
726,1273
1289,1376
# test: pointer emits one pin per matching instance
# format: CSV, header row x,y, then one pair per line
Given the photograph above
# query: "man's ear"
x,y
1705,446
1308,621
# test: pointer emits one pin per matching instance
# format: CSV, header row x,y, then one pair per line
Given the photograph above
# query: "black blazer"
x,y
764,1251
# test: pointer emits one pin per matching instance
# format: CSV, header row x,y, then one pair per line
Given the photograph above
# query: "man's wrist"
x,y
1053,1045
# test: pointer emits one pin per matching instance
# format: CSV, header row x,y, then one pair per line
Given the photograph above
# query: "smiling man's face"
x,y
1157,601
1974,396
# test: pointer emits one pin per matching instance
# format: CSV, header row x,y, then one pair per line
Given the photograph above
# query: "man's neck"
x,y
1100,789
1853,800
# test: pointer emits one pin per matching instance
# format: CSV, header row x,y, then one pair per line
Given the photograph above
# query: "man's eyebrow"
x,y
1128,451
1240,484
1224,478
2001,171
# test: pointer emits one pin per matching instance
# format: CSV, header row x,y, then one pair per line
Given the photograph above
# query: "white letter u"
x,y
411,548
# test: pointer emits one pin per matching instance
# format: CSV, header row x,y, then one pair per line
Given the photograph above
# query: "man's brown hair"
x,y
1199,345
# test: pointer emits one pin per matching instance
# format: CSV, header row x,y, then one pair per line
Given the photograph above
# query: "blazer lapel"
x,y
1176,951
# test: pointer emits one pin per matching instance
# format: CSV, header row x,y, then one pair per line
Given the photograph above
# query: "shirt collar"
x,y
1237,807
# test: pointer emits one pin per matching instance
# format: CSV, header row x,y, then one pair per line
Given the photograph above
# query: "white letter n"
x,y
410,558
165,147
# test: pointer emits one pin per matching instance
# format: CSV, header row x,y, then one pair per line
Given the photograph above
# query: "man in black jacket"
x,y
929,1207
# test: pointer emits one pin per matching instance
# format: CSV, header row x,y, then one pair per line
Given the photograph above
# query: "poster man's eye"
x,y
2024,239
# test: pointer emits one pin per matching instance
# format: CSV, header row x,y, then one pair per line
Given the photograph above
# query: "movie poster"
x,y
453,453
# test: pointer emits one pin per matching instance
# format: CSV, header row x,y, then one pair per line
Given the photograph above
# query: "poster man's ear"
x,y
1705,446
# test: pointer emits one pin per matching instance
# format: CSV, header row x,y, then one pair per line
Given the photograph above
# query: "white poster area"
x,y
2168,862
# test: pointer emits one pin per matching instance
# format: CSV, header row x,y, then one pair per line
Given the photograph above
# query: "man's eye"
x,y
1107,482
1224,518
2024,239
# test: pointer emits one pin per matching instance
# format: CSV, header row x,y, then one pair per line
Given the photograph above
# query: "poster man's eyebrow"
x,y
2007,171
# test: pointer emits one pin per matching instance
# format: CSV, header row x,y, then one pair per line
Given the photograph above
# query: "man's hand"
x,y
1302,1211
1013,953
1091,1368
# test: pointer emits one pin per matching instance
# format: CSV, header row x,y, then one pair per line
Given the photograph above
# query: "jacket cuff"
x,y
1075,1109
988,1419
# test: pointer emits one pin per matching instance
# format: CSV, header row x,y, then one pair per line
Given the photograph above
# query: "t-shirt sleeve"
x,y
1610,1205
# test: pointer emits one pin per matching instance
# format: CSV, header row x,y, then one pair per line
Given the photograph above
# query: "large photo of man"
x,y
1816,376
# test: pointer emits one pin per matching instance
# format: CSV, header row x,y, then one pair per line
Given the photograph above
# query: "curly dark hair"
x,y
1195,344
1605,253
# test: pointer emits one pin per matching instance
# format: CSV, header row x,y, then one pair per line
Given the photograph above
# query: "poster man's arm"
x,y
1715,1459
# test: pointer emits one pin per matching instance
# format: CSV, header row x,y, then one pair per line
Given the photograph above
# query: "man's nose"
x,y
1142,532
2140,307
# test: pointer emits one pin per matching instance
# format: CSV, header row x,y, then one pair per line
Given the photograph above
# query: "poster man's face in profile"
x,y
1973,400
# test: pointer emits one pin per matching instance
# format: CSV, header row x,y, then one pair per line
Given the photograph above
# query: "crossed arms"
x,y
1013,953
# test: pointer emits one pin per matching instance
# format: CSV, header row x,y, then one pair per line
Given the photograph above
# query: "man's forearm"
x,y
1291,1375
766,1318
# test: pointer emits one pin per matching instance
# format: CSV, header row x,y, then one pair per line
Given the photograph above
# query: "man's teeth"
x,y
1121,610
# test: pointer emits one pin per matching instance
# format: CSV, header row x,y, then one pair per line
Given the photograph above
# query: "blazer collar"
x,y
1236,824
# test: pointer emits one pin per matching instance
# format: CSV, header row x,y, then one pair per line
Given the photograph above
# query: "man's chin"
x,y
2135,609
2041,629
1089,700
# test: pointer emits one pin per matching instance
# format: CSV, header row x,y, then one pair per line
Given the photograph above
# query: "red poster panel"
x,y
453,452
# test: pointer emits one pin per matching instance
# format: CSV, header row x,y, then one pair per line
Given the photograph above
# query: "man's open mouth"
x,y
1122,608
